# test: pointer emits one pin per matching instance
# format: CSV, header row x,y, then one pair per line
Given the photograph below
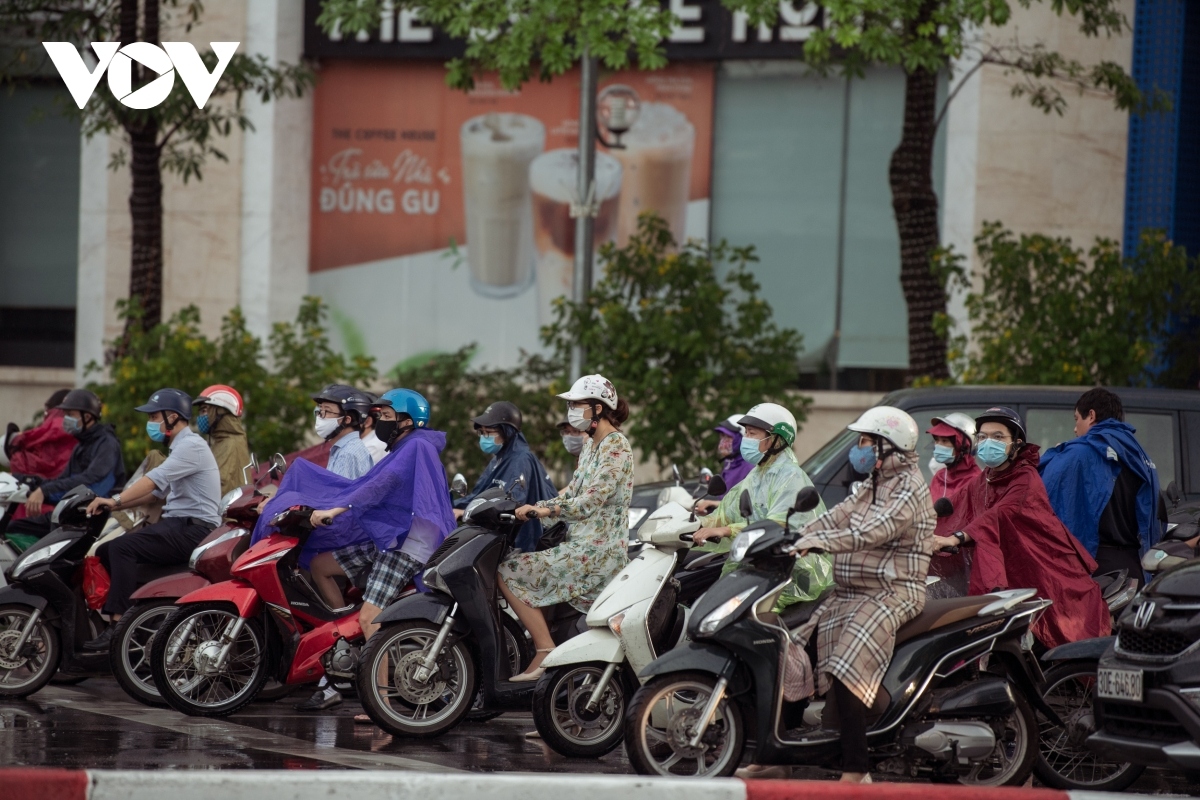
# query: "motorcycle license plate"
x,y
1119,684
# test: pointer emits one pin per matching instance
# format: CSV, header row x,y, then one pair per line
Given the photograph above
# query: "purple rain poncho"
x,y
409,482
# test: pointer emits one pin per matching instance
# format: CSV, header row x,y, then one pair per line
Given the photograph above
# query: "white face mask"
x,y
935,466
325,427
574,444
578,421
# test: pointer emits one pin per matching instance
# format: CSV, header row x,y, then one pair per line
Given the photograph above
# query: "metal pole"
x,y
835,346
585,211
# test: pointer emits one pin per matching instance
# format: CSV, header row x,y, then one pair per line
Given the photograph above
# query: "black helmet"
x,y
499,413
171,400
1006,417
357,405
81,400
334,393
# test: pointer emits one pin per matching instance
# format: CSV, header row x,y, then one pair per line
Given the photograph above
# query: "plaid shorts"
x,y
390,572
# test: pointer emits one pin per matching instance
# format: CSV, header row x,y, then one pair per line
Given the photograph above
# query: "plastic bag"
x,y
95,582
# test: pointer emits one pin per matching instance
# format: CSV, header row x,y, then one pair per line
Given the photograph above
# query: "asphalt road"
x,y
94,725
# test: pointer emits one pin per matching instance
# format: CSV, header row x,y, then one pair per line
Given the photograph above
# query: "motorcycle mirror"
x,y
1171,494
943,507
806,499
706,475
519,483
745,507
714,486
675,474
278,465
248,472
459,485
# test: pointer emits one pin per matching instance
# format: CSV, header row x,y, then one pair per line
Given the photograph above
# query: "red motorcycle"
x,y
215,651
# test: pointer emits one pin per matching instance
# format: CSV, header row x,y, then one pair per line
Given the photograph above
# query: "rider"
x,y
880,538
42,451
595,503
499,428
191,482
219,409
96,461
340,413
1019,542
953,439
375,446
572,439
729,443
774,480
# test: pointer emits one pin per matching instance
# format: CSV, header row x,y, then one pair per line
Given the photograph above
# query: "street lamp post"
x,y
583,209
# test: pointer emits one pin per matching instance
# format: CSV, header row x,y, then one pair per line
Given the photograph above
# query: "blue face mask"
x,y
489,445
202,423
943,454
154,431
72,425
991,453
863,459
749,450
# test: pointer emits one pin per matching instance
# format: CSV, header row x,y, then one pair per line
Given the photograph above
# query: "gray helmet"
x,y
83,401
171,400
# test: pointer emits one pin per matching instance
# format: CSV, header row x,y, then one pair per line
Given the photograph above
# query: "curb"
x,y
58,784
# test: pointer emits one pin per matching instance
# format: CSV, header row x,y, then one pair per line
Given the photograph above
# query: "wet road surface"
x,y
94,725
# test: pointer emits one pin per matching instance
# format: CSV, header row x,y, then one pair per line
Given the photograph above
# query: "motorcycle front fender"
x,y
697,656
428,606
13,594
235,591
597,644
1086,650
171,587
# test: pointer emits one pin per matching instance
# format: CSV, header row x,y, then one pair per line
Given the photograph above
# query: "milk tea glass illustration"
x,y
656,169
553,178
497,149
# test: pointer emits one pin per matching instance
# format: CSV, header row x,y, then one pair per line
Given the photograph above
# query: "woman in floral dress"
x,y
596,503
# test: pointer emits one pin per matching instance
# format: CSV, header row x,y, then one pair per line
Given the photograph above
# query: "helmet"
x,y
357,405
222,396
732,424
406,401
774,418
171,400
593,387
957,420
1007,417
501,413
334,393
81,400
891,423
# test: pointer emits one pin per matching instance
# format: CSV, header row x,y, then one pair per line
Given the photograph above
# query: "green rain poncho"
x,y
773,485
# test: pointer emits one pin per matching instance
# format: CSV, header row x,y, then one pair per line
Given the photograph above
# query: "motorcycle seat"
x,y
940,613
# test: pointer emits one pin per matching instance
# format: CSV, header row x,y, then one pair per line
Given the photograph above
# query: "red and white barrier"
x,y
56,784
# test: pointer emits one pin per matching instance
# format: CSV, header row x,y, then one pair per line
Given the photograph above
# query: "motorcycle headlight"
x,y
433,579
713,621
471,506
40,556
231,497
202,549
742,543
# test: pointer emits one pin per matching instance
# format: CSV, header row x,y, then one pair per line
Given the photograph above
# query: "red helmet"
x,y
222,396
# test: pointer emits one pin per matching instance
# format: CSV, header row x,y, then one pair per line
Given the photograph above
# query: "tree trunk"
x,y
910,174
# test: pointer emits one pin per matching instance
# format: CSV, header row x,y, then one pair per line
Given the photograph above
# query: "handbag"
x,y
553,536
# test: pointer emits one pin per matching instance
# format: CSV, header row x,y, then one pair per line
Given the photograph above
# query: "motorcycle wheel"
x,y
21,676
660,716
189,682
129,655
520,653
1063,761
1016,749
403,706
561,715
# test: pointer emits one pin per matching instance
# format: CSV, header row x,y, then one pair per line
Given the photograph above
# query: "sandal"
x,y
533,674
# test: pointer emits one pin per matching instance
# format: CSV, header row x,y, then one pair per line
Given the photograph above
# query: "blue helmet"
x,y
406,401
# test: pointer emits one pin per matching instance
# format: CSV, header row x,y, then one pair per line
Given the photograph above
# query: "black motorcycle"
x,y
956,703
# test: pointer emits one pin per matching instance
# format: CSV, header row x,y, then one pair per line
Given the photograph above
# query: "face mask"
x,y
154,431
991,453
750,452
725,446
489,445
578,421
943,454
574,444
935,466
863,459
203,424
325,427
385,429
72,426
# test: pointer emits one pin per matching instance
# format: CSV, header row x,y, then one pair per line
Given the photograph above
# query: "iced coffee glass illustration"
x,y
553,178
656,169
497,149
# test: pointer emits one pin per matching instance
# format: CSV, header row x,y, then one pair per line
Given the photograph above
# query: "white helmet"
x,y
593,387
891,423
959,421
773,418
732,423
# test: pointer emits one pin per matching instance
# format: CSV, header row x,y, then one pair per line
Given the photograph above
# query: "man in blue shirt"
x,y
340,413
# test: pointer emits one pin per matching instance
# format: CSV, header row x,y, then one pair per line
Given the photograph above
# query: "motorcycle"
x,y
579,702
956,702
13,494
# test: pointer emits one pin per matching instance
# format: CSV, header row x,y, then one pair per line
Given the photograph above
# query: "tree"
x,y
176,136
924,38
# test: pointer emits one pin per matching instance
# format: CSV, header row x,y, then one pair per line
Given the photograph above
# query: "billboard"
x,y
441,218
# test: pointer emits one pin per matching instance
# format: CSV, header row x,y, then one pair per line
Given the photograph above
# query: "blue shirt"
x,y
349,457
189,479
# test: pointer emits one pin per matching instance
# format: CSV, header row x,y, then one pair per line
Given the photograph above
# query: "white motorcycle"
x,y
13,495
580,700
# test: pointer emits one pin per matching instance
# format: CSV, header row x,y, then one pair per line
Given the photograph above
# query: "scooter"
x,y
955,702
13,494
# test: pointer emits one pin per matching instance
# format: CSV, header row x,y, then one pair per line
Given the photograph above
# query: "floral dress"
x,y
596,503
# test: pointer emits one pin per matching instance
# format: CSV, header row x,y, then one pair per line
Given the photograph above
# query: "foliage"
x,y
177,354
686,348
1046,314
516,37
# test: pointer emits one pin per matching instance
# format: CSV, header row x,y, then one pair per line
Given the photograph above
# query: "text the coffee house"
x,y
440,218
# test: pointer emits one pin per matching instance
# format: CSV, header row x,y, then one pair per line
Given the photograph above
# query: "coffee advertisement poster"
x,y
441,218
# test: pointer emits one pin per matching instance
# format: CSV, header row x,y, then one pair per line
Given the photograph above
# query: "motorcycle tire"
x,y
561,716
13,619
407,641
1020,767
693,688
177,682
132,643
1064,762
520,653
